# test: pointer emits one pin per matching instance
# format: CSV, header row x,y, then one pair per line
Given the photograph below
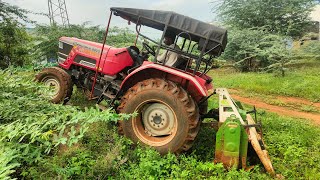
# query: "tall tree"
x,y
14,49
14,41
256,50
8,11
286,17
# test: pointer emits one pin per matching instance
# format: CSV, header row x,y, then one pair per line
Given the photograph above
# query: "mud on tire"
x,y
55,76
166,95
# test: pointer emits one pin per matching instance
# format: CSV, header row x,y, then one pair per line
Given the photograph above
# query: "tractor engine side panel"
x,y
117,59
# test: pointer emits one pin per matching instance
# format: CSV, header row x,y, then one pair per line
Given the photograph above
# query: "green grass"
x,y
301,82
293,145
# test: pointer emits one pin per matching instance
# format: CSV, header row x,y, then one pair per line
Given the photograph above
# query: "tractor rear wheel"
x,y
167,116
59,80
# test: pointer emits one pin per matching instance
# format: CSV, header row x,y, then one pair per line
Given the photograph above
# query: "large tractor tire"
x,y
167,116
59,80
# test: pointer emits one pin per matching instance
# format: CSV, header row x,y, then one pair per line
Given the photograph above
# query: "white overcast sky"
x,y
97,11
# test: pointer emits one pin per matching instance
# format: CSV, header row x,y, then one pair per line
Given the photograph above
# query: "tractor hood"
x,y
199,31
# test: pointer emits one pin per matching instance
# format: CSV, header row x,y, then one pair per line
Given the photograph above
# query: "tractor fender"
x,y
196,86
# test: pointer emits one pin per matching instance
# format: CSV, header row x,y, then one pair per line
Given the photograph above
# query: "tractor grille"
x,y
64,50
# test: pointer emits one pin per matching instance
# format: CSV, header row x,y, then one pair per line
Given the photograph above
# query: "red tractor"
x,y
170,101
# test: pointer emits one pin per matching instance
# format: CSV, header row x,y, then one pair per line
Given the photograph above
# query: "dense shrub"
x,y
309,50
256,50
15,43
30,126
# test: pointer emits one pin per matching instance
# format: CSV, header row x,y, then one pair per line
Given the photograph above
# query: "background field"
x,y
302,81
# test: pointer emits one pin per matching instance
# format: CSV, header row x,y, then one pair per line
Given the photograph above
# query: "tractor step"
x,y
109,95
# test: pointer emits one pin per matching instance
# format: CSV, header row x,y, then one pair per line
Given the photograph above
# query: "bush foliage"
x,y
309,50
31,126
15,42
256,50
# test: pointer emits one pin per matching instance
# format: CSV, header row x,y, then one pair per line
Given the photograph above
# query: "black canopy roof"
x,y
157,19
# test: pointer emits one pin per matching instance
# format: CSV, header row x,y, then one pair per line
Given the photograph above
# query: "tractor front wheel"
x,y
59,81
167,117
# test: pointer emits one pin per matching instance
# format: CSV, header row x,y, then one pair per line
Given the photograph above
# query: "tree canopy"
x,y
14,47
285,17
8,11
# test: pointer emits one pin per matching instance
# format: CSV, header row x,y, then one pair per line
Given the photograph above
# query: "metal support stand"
x,y
58,10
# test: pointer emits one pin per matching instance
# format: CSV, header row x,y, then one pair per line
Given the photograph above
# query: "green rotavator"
x,y
236,129
170,99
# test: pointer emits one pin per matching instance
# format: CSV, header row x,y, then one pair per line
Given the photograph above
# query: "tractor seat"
x,y
181,63
134,54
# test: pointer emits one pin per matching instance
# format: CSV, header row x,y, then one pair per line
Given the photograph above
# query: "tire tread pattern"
x,y
64,79
179,93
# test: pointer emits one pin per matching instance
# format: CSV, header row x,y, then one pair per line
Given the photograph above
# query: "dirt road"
x,y
314,117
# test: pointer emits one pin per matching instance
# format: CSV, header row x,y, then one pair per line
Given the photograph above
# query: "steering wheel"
x,y
149,48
